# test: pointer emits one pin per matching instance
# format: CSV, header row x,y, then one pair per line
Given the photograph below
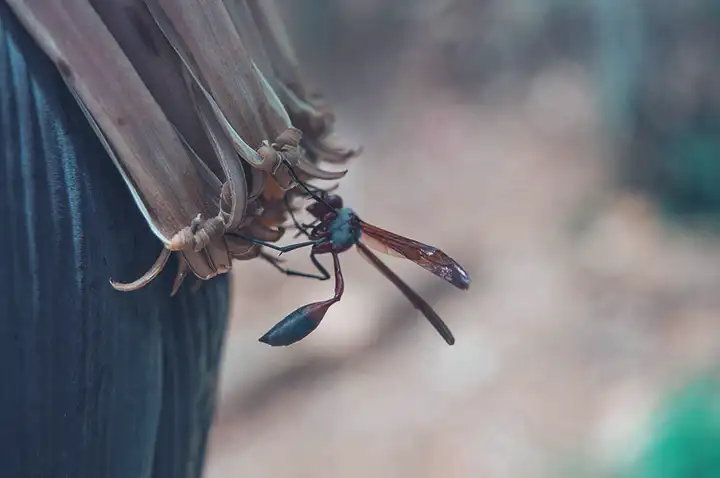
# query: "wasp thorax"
x,y
344,229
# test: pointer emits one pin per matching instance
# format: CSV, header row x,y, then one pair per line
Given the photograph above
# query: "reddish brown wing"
x,y
417,301
428,257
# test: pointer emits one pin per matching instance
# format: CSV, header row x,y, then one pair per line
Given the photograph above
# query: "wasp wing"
x,y
428,257
410,294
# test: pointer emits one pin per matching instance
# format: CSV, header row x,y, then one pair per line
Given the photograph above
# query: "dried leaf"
x,y
194,119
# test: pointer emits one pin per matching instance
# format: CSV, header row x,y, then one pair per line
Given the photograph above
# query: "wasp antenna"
x,y
305,186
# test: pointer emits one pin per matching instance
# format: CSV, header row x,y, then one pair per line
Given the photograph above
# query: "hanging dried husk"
x,y
261,28
201,106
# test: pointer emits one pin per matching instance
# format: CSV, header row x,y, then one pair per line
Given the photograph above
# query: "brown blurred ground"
x,y
582,310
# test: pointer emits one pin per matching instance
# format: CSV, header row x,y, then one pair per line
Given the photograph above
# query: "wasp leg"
x,y
281,249
324,274
303,229
319,191
300,227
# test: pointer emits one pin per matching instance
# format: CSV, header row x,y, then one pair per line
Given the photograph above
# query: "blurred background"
x,y
567,153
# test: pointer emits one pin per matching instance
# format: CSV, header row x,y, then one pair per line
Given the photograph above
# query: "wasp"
x,y
337,229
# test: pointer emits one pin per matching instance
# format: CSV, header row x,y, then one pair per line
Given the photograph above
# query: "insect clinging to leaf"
x,y
337,229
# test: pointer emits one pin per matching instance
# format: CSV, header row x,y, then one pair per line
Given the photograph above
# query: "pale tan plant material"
x,y
201,127
260,26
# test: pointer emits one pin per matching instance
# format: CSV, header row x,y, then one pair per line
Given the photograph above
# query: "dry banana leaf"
x,y
169,186
193,124
260,25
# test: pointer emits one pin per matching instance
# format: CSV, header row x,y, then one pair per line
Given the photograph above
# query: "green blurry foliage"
x,y
685,442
